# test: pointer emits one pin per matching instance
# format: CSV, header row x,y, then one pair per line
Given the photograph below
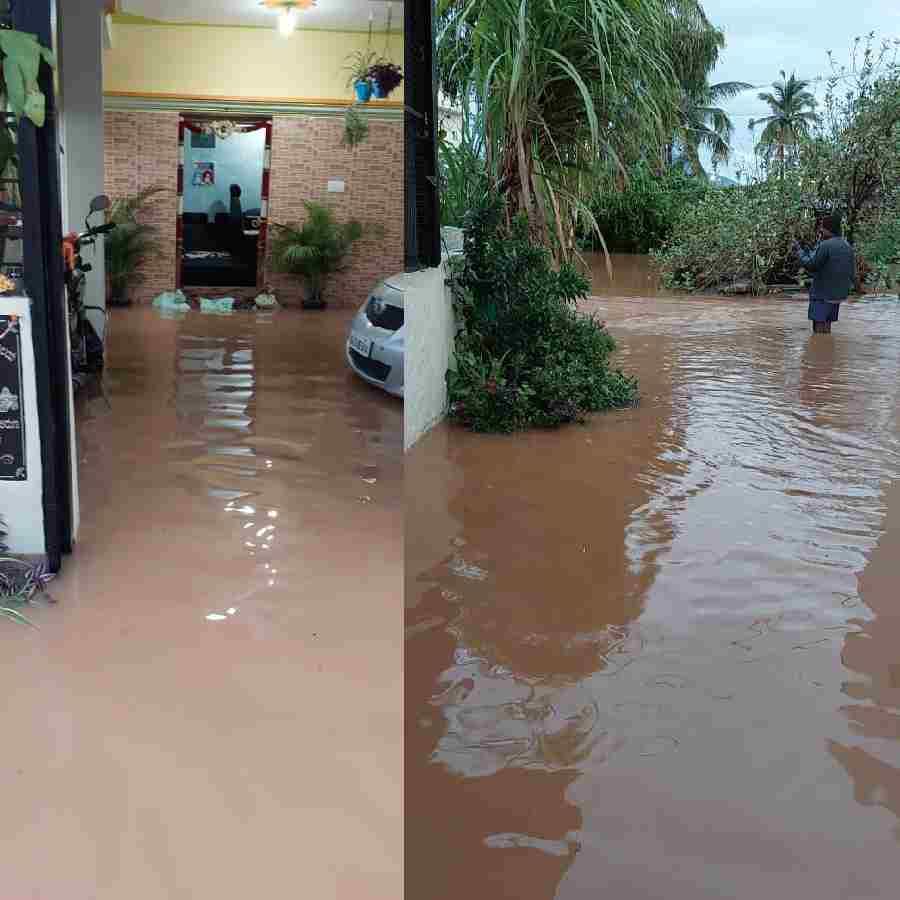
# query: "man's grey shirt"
x,y
833,268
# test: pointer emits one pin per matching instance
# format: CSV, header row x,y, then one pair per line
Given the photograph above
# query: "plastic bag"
x,y
266,300
171,300
219,305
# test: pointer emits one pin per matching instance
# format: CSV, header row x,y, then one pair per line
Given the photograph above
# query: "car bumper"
x,y
383,369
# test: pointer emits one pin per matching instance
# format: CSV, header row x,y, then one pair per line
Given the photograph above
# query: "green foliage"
x,y
358,65
356,128
131,243
641,216
739,234
20,581
21,55
846,160
878,244
791,119
463,176
559,85
524,356
317,248
853,159
703,124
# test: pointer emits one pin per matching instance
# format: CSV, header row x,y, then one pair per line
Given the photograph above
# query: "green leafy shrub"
x,y
524,356
131,243
641,216
878,246
464,178
738,234
848,162
316,249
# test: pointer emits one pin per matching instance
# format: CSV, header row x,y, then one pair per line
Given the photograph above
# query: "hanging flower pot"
x,y
386,77
363,90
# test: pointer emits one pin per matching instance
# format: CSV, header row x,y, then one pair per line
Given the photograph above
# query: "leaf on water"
x,y
16,616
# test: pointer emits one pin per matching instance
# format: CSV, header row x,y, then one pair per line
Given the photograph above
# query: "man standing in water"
x,y
833,268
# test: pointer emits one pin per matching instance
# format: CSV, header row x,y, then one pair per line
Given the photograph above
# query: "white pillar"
x,y
80,35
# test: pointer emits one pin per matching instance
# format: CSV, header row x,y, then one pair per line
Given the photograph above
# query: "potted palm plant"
x,y
129,245
314,250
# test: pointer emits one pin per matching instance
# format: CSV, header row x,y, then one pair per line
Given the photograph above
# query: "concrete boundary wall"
x,y
21,502
430,329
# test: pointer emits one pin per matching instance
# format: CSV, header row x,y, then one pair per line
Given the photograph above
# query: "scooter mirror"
x,y
100,204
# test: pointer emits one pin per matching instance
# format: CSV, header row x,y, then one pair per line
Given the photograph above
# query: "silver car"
x,y
376,339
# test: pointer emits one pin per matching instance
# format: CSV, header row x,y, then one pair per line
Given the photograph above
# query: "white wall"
x,y
21,503
80,37
430,328
80,27
238,160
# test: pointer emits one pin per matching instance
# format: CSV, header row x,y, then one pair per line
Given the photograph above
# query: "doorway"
x,y
223,199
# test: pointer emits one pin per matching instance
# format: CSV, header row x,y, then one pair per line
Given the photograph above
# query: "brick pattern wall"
x,y
142,150
306,154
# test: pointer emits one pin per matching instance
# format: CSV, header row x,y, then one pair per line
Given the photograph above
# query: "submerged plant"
x,y
20,582
525,356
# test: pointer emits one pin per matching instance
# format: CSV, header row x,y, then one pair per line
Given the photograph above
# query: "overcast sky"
x,y
767,35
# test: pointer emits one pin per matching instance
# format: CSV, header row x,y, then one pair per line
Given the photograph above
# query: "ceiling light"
x,y
287,21
288,13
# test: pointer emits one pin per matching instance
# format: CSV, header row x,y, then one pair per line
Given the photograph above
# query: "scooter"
x,y
86,346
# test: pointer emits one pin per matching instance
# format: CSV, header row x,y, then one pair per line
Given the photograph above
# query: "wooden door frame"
x,y
190,122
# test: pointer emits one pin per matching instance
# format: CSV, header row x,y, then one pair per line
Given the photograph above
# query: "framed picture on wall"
x,y
204,174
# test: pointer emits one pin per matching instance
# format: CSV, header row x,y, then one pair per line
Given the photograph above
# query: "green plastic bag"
x,y
172,300
220,305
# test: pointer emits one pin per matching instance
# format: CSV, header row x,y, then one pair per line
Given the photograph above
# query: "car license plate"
x,y
361,345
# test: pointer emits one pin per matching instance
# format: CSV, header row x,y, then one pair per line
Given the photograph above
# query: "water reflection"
x,y
184,697
872,650
531,596
624,641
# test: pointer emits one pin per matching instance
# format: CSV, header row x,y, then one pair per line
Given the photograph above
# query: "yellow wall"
x,y
249,63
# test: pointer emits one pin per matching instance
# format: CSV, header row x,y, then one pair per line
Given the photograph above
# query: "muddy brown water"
x,y
622,275
212,708
659,655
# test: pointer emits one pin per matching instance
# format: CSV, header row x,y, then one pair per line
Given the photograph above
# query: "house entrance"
x,y
223,198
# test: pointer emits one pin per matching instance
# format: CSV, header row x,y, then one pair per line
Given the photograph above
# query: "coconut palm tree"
x,y
694,46
793,115
703,124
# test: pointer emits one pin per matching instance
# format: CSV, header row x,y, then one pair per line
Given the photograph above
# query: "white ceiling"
x,y
336,14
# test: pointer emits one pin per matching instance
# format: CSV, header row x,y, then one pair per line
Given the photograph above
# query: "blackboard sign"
x,y
12,414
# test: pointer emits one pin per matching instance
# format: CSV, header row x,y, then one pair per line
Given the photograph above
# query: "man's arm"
x,y
812,260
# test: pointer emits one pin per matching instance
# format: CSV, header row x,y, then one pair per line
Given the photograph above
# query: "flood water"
x,y
626,275
211,709
658,656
